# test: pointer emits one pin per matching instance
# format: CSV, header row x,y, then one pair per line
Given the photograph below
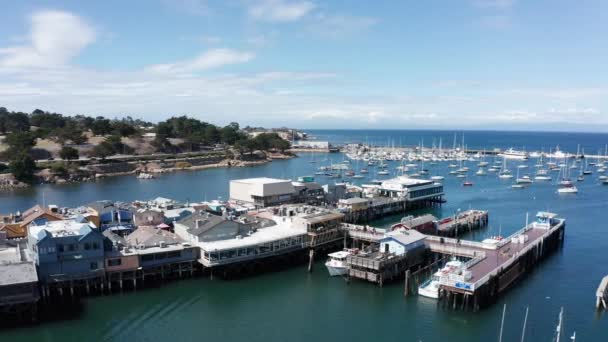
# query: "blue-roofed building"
x,y
111,215
66,250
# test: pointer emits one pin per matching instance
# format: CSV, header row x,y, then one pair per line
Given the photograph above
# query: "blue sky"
x,y
506,64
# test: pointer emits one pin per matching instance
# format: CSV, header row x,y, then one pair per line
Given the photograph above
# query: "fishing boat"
x,y
430,288
336,264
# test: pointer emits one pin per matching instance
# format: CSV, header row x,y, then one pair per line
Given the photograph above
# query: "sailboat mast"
x,y
502,322
523,330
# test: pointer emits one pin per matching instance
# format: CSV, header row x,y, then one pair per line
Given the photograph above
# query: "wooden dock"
x,y
494,266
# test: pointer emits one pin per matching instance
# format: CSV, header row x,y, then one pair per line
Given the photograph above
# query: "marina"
x,y
418,266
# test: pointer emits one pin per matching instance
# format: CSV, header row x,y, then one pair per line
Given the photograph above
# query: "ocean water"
x,y
294,305
591,143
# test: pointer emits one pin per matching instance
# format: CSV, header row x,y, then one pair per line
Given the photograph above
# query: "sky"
x,y
440,64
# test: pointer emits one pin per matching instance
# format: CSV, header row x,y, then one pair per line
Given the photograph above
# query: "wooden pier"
x,y
495,266
464,221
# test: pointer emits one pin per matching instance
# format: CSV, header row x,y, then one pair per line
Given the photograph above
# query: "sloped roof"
x,y
152,236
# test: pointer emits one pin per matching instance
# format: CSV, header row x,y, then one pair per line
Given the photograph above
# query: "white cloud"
x,y
279,10
55,38
338,26
210,59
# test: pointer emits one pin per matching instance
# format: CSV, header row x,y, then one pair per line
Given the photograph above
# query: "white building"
x,y
261,192
410,188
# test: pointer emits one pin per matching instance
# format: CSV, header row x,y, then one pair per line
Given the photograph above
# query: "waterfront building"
x,y
354,204
262,192
18,278
401,241
411,189
108,214
206,227
66,250
308,191
157,248
148,217
16,225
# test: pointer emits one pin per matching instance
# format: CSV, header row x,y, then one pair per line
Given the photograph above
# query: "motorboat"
x,y
430,288
336,264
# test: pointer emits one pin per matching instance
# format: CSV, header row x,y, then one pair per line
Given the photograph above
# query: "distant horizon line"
x,y
452,130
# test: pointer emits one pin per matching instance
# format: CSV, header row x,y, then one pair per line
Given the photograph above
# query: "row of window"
x,y
73,247
255,250
161,256
425,192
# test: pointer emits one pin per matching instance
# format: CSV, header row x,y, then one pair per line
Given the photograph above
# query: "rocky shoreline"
x,y
94,172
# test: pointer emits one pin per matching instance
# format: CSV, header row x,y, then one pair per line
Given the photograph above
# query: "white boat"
x,y
336,264
481,172
145,175
514,154
524,180
430,288
568,189
437,178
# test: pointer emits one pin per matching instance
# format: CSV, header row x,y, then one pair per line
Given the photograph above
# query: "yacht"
x,y
514,154
336,264
430,288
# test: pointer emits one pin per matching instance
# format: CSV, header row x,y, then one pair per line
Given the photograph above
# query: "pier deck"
x,y
495,264
486,259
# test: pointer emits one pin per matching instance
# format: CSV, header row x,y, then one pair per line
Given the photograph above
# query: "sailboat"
x,y
523,180
566,186
504,172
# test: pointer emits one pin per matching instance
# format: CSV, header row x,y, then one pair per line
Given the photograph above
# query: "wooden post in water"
x,y
406,290
311,258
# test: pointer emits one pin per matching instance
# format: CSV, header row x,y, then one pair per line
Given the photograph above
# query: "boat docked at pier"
x,y
430,288
336,264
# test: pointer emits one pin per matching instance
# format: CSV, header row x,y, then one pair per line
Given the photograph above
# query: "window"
x,y
95,245
174,254
147,257
71,247
60,247
87,246
115,262
93,266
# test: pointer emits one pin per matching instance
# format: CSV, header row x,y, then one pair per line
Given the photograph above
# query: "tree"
x,y
19,143
23,167
101,126
102,150
123,128
68,153
281,145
